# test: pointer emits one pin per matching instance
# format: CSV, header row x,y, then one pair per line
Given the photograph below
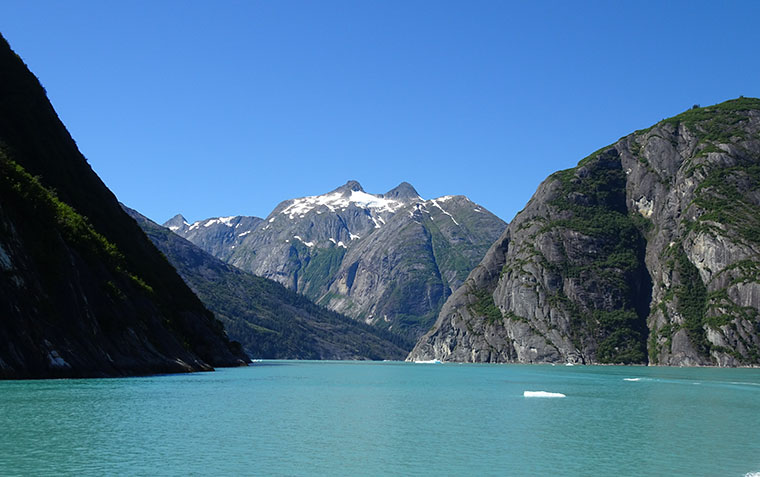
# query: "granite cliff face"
x,y
389,260
269,320
82,290
647,252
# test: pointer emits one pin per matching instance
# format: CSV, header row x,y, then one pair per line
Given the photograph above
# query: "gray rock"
x,y
646,252
389,260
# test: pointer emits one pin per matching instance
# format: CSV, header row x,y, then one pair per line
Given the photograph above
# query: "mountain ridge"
x,y
320,246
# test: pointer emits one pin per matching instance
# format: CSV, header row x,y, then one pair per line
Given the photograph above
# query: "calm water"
x,y
349,418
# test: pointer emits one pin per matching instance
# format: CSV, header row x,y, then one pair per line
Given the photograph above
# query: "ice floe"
x,y
542,394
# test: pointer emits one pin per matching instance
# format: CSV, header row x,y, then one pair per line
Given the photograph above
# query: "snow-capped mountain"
x,y
388,259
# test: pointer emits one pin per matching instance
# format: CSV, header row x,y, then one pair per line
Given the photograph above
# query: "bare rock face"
x,y
389,260
646,252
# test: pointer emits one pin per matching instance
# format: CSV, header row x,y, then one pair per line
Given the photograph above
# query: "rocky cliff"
x,y
389,260
269,320
647,252
83,292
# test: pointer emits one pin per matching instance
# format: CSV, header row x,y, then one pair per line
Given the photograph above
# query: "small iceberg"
x,y
543,394
631,379
569,364
429,361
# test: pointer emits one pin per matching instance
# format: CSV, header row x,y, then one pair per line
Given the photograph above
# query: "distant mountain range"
x,y
389,260
648,251
269,320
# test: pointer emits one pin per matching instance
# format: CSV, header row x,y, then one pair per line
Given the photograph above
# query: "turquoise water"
x,y
352,418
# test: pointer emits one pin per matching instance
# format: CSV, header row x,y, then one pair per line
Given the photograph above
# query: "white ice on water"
x,y
543,394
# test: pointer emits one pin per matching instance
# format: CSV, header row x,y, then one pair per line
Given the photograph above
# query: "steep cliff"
x,y
647,252
269,320
83,292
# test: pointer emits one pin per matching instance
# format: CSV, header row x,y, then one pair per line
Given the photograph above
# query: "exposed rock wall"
x,y
647,251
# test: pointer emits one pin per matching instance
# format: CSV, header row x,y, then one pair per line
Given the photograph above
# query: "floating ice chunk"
x,y
428,361
631,379
542,394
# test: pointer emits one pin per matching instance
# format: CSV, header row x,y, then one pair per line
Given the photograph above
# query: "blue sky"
x,y
227,108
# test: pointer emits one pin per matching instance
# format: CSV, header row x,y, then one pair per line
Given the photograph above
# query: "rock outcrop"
x,y
647,252
83,292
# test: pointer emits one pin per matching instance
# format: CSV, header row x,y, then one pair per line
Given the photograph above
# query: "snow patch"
x,y
341,244
308,244
244,233
445,198
353,237
337,200
221,220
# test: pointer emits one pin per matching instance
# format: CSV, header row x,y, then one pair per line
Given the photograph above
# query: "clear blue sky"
x,y
226,108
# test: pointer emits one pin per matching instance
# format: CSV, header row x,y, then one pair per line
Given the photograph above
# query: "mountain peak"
x,y
403,191
350,186
176,223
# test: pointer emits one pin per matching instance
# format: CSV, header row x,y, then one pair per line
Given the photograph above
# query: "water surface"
x,y
358,418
